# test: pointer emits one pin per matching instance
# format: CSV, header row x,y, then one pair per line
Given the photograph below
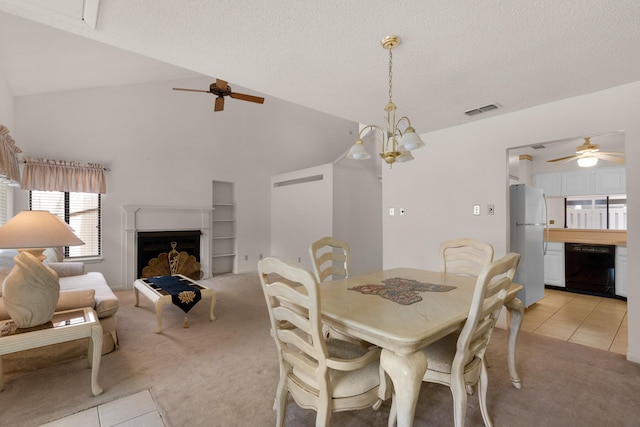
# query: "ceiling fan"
x,y
588,154
221,89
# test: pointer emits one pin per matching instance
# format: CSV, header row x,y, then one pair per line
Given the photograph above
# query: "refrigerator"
x,y
528,220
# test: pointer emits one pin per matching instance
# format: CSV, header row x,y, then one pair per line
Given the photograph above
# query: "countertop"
x,y
601,237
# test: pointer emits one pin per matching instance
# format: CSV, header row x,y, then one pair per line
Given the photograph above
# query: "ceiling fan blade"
x,y
190,90
245,97
563,159
612,153
219,105
609,158
222,85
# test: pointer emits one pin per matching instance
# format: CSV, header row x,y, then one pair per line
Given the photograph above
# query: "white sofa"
x,y
77,289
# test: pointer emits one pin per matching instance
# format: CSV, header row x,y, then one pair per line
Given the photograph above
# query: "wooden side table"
x,y
65,326
159,297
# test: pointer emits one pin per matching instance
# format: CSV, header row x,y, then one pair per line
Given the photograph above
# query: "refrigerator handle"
x,y
546,222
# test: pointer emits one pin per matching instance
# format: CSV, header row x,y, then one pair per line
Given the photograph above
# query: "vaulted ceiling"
x,y
455,55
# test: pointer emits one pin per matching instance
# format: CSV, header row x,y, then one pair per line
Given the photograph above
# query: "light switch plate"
x,y
476,210
490,210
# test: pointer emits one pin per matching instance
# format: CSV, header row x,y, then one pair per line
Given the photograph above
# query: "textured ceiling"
x,y
455,55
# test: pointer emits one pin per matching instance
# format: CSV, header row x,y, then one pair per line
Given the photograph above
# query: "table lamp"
x,y
31,290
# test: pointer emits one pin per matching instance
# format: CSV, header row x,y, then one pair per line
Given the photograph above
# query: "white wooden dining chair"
x,y
457,360
465,256
331,258
324,374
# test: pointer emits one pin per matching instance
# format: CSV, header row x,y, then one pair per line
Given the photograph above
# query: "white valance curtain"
x,y
9,169
61,175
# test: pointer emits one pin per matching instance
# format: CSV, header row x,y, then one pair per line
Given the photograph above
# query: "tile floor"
x,y
137,410
583,319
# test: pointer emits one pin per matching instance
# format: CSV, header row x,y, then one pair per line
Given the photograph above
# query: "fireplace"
x,y
138,219
152,243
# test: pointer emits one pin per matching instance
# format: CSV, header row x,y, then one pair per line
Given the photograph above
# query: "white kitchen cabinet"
x,y
550,182
554,264
610,181
621,271
578,182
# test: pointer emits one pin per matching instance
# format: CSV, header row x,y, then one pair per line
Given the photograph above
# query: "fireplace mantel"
x,y
163,218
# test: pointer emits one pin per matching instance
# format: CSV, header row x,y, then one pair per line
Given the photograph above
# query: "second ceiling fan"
x,y
588,154
221,89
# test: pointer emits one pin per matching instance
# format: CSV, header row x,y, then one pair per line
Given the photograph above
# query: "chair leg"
x,y
459,392
280,404
482,395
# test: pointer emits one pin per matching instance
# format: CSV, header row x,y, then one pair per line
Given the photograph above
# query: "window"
x,y
82,211
597,212
4,202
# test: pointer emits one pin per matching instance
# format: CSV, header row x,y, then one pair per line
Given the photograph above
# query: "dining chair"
x,y
457,360
330,258
324,374
465,256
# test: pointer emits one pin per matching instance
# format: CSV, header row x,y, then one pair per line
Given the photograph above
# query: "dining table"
x,y
403,310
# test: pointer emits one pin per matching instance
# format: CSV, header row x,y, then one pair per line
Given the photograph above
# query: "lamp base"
x,y
30,291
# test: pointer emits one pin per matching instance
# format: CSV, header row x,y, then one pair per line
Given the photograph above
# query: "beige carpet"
x,y
224,373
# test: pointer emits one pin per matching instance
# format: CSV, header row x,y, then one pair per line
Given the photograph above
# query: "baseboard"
x,y
635,358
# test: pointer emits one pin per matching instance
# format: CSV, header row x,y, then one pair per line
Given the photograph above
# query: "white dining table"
x,y
403,330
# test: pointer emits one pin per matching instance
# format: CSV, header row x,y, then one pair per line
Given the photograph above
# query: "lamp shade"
x,y
358,152
587,161
37,229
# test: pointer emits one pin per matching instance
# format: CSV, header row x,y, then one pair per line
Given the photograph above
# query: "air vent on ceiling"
x,y
481,110
538,146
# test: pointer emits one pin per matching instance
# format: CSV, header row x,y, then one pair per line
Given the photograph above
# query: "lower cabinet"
x,y
554,264
621,271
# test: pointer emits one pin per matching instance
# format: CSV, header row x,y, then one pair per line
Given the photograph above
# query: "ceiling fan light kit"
x,y
396,145
221,89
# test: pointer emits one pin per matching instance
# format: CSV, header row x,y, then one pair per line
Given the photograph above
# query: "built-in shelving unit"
x,y
223,228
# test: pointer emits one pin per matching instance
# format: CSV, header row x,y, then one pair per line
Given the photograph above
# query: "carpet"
x,y
224,373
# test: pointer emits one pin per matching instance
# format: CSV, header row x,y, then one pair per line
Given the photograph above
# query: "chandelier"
x,y
396,144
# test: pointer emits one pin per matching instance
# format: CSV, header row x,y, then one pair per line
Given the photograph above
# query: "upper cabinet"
x,y
550,182
583,182
610,181
578,182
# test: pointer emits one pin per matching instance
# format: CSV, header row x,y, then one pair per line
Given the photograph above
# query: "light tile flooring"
x,y
583,319
137,410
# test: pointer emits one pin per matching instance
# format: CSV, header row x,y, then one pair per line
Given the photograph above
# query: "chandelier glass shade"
x,y
396,144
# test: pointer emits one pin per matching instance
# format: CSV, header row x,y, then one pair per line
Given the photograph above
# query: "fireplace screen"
x,y
169,252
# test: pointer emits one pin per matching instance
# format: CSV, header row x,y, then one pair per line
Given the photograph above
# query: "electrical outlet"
x,y
476,210
392,211
490,210
260,256
246,257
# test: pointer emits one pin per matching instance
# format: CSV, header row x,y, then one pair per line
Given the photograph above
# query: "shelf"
x,y
223,220
223,237
222,255
224,204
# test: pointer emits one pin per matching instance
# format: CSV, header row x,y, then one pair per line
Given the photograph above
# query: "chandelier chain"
x,y
390,74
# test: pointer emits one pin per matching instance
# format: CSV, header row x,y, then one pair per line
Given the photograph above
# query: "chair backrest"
x,y
465,256
293,298
488,297
330,257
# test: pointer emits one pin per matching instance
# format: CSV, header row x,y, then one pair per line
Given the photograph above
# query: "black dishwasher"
x,y
590,268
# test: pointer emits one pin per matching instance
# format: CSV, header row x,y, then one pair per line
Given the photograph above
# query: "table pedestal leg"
x,y
135,291
406,372
516,312
213,304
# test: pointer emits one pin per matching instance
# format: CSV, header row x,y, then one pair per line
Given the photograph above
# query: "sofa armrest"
x,y
66,269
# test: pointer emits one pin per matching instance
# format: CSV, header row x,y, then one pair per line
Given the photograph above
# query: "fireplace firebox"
x,y
152,243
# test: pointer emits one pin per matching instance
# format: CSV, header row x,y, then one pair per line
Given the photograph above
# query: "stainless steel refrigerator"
x,y
528,220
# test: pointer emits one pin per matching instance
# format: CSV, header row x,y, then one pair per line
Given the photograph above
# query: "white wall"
x,y
165,147
6,106
467,165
